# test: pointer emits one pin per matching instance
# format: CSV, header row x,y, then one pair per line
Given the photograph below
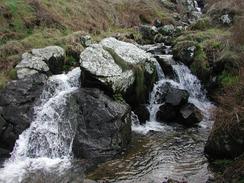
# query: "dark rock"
x,y
142,112
104,126
176,97
190,114
166,65
16,104
167,113
157,23
148,32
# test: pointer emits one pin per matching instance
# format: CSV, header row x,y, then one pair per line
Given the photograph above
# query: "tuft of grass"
x,y
227,79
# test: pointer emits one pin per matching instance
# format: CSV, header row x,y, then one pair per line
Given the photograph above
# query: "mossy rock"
x,y
184,51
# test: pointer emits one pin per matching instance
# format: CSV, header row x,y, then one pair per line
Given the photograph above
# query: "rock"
x,y
167,113
104,125
118,67
190,114
184,51
166,62
167,30
16,104
175,107
148,32
226,139
155,49
86,41
142,112
44,60
176,97
226,19
157,23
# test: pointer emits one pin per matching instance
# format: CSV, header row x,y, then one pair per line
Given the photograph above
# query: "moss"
x,y
118,97
140,89
118,60
12,74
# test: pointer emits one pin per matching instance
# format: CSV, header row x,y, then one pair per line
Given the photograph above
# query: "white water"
x,y
184,80
47,143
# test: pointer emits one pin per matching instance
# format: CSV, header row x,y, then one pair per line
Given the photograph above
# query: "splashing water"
x,y
184,80
47,143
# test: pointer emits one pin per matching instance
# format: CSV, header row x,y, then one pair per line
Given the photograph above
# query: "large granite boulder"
x,y
16,107
49,60
103,125
118,67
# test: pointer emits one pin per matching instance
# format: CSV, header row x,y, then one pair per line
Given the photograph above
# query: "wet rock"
x,y
167,113
104,125
190,114
142,112
116,68
166,64
16,103
45,60
176,97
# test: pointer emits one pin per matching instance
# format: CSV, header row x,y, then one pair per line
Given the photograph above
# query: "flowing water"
x,y
47,143
160,151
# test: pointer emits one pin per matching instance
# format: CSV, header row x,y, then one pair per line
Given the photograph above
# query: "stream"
x,y
159,151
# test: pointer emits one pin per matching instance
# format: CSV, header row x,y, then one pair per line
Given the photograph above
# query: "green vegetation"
x,y
202,24
227,79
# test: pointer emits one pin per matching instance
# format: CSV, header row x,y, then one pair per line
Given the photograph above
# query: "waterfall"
x,y
185,80
48,141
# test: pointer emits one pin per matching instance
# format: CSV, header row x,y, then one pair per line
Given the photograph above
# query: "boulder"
x,y
104,125
166,62
142,113
187,115
167,113
118,67
190,114
176,97
148,32
16,103
49,60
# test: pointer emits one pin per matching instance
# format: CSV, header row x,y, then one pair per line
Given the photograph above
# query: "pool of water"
x,y
175,152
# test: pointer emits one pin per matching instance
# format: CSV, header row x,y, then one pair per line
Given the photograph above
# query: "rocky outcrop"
x,y
119,68
104,125
49,60
16,107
